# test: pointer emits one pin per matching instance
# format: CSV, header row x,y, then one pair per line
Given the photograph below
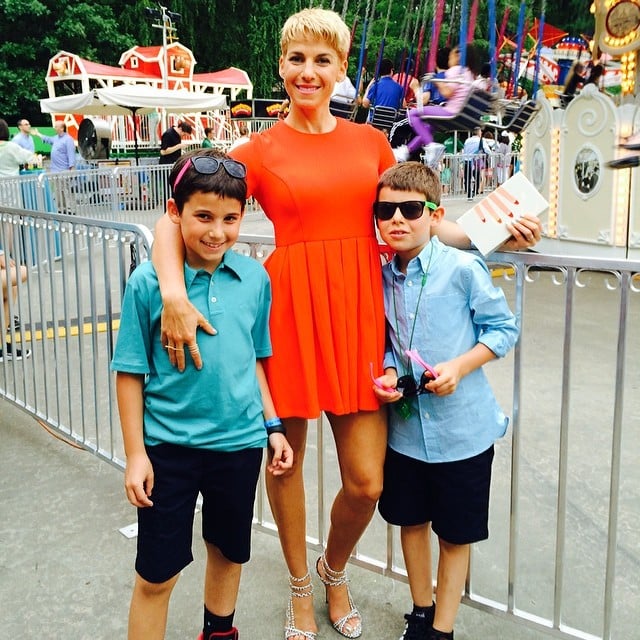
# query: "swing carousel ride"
x,y
566,152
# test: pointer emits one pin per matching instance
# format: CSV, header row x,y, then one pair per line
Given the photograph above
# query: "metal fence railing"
x,y
564,553
112,191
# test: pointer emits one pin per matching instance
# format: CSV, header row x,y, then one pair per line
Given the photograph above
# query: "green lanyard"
x,y
415,315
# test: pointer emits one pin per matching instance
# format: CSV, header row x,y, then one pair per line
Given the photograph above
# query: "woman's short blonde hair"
x,y
317,24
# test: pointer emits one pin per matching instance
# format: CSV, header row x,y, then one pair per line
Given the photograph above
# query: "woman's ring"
x,y
172,347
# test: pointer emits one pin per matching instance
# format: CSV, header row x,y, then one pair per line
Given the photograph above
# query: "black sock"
x,y
214,623
443,635
422,612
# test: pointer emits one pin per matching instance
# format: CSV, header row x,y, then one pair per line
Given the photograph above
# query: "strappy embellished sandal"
x,y
298,590
333,578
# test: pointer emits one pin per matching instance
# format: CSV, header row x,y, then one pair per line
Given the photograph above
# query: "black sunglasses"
x,y
410,388
208,165
410,209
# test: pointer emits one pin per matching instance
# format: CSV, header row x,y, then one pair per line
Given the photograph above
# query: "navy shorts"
x,y
227,482
453,496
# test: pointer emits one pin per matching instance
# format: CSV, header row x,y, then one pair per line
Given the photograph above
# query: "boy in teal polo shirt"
x,y
197,431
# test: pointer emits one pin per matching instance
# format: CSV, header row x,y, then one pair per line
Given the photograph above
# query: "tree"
x,y
221,33
87,29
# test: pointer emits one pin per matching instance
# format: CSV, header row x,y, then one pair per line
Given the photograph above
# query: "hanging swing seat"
x,y
519,119
383,117
477,106
343,109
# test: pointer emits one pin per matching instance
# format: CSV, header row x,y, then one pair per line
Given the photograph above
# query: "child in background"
x,y
440,302
197,432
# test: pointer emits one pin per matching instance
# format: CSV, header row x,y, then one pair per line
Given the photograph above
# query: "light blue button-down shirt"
x,y
459,307
220,406
63,152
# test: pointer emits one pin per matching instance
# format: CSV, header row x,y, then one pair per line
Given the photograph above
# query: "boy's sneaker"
x,y
221,635
14,354
417,627
439,635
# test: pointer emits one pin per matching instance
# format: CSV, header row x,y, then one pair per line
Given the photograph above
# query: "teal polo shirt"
x,y
220,406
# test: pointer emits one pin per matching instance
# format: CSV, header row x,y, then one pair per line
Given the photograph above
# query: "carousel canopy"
x,y
127,99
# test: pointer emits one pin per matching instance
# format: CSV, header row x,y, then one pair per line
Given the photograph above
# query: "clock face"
x,y
623,18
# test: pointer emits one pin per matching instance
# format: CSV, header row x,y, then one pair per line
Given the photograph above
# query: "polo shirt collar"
x,y
231,261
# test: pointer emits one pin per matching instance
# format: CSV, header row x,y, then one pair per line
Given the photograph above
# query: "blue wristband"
x,y
274,425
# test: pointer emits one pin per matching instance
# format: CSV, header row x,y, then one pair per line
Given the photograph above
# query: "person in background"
x,y
385,91
430,92
344,91
455,87
315,177
23,137
443,418
12,156
63,158
503,158
488,160
10,273
208,142
63,148
596,73
243,135
409,83
474,153
575,78
171,143
189,433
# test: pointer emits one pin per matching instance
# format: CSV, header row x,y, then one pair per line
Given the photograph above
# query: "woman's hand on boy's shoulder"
x,y
178,326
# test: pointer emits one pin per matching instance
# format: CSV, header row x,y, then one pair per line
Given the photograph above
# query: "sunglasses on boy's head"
x,y
410,209
208,165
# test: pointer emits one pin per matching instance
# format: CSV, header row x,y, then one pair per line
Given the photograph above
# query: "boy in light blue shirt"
x,y
194,431
440,305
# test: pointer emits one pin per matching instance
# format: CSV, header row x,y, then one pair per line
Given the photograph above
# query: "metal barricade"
x,y
63,321
456,169
112,191
563,555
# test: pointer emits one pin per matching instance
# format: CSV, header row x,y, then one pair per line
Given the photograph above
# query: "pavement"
x,y
66,571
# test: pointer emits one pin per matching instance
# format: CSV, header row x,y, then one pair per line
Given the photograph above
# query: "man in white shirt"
x,y
344,91
471,171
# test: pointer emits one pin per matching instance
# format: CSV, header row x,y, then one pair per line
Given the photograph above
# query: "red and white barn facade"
x,y
170,67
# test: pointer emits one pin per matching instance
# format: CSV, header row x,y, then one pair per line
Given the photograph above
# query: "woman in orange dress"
x,y
315,177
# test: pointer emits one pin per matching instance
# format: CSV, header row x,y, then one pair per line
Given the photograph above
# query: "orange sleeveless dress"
x,y
327,316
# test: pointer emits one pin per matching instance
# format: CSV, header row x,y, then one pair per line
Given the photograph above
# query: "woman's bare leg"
x,y
361,440
287,499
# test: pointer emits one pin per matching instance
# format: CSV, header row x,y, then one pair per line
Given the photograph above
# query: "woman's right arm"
x,y
180,319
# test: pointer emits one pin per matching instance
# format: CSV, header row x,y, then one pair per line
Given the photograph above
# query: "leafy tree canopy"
x,y
223,33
